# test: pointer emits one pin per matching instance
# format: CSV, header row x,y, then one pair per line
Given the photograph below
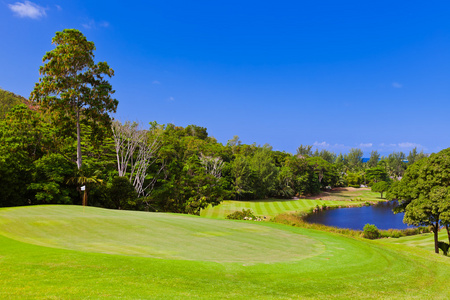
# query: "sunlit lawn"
x,y
63,252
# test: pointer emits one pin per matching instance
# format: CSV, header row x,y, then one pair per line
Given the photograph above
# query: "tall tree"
x,y
354,159
374,158
414,156
304,150
423,192
73,87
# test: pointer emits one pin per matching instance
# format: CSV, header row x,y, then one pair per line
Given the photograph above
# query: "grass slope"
x,y
159,235
343,268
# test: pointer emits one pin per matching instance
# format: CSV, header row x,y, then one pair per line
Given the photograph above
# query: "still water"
x,y
356,217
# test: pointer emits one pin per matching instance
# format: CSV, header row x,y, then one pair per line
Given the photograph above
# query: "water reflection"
x,y
356,217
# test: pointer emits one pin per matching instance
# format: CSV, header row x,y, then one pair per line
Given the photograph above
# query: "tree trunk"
x,y
448,232
435,231
78,140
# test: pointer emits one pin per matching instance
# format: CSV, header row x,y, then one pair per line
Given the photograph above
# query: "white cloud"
x,y
58,7
397,85
409,145
156,82
104,24
92,24
27,9
401,146
365,145
322,144
171,99
89,25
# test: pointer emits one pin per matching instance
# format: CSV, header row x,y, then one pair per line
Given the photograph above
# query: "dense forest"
x,y
163,167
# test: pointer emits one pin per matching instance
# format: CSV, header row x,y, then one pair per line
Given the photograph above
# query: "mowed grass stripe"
x,y
151,234
270,208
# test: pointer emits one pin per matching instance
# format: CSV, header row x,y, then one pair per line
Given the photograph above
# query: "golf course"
x,y
65,251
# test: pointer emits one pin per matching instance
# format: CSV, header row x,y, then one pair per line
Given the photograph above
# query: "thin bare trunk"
x,y
79,162
129,138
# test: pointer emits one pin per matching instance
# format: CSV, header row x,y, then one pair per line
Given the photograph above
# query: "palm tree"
x,y
85,177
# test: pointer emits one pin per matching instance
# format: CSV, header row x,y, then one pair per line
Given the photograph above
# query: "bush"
x,y
122,194
371,231
240,215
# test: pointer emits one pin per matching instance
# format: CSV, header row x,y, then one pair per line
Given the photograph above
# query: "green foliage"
x,y
73,88
444,247
354,179
241,215
354,159
376,174
371,231
304,151
325,171
380,187
50,174
122,194
8,100
414,156
325,155
374,158
424,192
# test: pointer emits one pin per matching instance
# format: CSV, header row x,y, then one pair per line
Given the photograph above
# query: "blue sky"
x,y
334,74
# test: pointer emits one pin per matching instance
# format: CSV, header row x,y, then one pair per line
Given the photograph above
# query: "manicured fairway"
x,y
273,207
269,208
158,235
337,267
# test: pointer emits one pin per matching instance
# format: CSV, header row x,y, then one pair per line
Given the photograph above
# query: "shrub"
x,y
122,194
240,215
371,231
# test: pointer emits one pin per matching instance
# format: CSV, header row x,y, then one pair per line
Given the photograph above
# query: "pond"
x,y
356,217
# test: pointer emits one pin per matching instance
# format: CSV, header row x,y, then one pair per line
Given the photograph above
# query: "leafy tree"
x,y
380,187
374,158
354,179
396,164
243,177
265,172
122,194
376,174
423,192
50,174
73,87
304,151
24,138
325,155
325,171
414,156
354,159
87,176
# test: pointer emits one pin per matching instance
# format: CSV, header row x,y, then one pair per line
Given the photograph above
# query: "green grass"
x,y
55,252
424,241
273,207
158,235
